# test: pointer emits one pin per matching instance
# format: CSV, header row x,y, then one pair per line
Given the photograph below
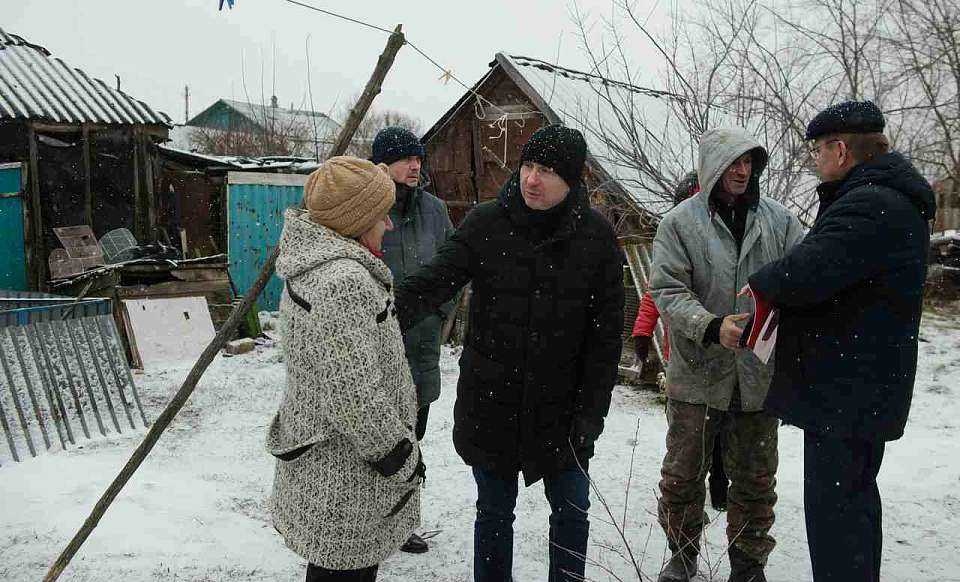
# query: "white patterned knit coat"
x,y
349,400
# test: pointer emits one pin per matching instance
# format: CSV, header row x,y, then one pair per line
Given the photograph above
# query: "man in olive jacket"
x,y
850,298
541,354
420,225
703,252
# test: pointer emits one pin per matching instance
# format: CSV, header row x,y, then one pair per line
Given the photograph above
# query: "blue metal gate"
x,y
255,205
13,265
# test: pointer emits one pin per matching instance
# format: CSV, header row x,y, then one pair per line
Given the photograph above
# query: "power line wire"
x,y
446,72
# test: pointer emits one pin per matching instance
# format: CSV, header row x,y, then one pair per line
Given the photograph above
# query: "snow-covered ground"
x,y
196,508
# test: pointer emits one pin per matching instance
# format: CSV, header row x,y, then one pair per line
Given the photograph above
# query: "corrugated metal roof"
x,y
295,122
36,85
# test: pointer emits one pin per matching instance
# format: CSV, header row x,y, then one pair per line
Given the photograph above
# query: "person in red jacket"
x,y
643,330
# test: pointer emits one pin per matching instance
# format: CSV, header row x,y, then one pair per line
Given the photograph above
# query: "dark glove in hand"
x,y
584,431
641,347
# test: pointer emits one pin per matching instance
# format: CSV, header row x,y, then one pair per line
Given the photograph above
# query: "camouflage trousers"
x,y
750,459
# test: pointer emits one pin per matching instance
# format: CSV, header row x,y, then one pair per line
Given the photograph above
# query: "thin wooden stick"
x,y
372,89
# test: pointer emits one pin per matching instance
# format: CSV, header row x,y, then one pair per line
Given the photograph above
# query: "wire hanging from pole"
x,y
447,74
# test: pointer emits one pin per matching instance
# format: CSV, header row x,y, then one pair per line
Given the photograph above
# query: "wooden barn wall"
x,y
95,175
466,157
195,203
471,157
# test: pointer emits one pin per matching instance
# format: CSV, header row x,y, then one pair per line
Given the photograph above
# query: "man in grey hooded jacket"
x,y
703,253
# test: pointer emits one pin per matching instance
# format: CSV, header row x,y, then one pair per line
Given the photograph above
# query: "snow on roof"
x,y
596,106
286,163
284,119
35,85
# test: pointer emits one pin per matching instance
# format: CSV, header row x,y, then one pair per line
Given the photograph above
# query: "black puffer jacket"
x,y
544,332
850,296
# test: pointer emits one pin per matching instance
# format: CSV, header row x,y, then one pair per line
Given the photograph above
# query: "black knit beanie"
x,y
395,143
560,148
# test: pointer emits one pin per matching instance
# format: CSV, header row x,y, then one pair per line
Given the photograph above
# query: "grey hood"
x,y
721,147
698,268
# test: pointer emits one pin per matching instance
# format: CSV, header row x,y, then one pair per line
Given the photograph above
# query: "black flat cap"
x,y
847,117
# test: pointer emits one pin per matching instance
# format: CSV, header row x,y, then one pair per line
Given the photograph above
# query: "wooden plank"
x,y
478,170
59,127
139,229
173,289
37,251
219,275
169,330
266,179
87,179
130,340
152,226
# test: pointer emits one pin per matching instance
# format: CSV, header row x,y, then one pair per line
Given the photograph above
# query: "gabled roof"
x,y
264,115
36,85
587,102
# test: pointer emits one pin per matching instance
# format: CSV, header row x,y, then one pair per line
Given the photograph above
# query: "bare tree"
x,y
713,74
769,66
925,37
374,121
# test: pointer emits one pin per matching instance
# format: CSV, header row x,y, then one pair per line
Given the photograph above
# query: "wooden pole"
x,y
372,89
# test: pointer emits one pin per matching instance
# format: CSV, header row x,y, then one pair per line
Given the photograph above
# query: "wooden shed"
x,y
83,152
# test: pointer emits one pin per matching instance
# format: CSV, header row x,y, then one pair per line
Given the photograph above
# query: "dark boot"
x,y
743,568
414,545
681,567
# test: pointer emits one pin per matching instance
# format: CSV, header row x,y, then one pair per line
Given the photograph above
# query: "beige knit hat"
x,y
349,195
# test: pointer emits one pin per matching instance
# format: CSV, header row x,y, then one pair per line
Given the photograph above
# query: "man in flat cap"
x,y
850,298
540,358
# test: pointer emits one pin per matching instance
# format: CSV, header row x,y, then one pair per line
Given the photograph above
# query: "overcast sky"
x,y
160,46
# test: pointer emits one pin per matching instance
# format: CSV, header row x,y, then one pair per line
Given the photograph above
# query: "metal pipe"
x,y
107,322
83,372
29,383
16,403
96,363
6,432
73,387
51,368
46,380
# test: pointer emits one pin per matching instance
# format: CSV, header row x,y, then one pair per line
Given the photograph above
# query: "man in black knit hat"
x,y
542,348
420,225
850,298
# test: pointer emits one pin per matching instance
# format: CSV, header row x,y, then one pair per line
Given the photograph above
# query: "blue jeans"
x,y
568,493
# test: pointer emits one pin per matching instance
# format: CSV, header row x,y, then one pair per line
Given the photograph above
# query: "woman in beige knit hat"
x,y
346,490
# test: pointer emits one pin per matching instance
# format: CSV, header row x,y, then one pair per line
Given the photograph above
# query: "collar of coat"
x,y
511,200
750,198
411,197
306,245
890,170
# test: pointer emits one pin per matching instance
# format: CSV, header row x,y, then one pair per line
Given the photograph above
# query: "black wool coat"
x,y
544,333
850,298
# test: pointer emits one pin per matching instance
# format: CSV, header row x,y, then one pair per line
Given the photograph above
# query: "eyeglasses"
x,y
815,150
